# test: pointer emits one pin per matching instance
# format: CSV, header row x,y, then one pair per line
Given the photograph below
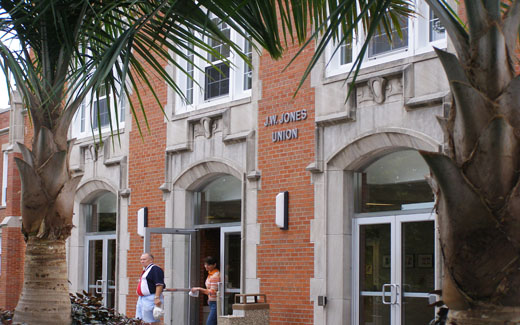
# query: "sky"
x,y
4,98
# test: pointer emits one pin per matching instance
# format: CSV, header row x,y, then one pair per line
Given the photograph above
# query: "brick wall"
x,y
145,176
13,245
286,257
11,277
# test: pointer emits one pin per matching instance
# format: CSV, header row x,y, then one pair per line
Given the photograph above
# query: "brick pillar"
x,y
285,148
13,252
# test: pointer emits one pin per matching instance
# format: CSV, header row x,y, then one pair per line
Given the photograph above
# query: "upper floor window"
x,y
419,34
437,31
214,79
381,43
98,111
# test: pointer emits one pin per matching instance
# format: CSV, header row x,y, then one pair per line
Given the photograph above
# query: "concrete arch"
x,y
91,188
201,172
369,147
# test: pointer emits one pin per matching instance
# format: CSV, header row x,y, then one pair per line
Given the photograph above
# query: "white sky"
x,y
4,98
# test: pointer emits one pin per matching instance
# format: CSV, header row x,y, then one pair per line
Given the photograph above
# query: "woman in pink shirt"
x,y
210,264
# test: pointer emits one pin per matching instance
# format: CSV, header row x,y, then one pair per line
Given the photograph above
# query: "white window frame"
x,y
84,119
418,43
236,80
5,175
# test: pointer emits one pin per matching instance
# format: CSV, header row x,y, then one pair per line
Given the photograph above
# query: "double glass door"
x,y
101,267
186,269
395,258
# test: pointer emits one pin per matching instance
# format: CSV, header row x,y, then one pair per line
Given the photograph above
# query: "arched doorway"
x,y
100,215
394,241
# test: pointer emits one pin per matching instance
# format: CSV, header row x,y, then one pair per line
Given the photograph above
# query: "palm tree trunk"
x,y
480,316
44,298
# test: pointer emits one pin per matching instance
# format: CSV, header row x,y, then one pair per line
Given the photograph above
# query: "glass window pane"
x,y
437,31
248,73
418,259
374,312
219,201
394,182
380,42
95,265
101,213
216,81
223,49
375,258
345,51
111,273
417,311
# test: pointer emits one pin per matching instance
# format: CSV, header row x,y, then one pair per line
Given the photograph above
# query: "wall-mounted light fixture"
x,y
142,220
282,210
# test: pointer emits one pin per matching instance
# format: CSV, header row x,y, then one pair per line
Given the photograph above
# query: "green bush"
x,y
6,316
86,309
89,309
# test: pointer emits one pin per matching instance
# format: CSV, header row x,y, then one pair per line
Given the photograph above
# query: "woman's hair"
x,y
210,260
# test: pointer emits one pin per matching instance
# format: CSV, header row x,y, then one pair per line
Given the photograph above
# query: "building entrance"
x,y
100,243
395,269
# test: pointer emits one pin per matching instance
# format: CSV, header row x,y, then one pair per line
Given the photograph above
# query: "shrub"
x,y
6,316
89,309
86,309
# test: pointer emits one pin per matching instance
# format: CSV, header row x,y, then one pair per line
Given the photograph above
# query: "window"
x,y
381,44
219,201
420,33
86,119
248,72
100,107
216,80
437,31
100,214
5,166
394,182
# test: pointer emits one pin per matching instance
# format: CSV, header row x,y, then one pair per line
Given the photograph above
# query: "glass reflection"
x,y
394,182
219,201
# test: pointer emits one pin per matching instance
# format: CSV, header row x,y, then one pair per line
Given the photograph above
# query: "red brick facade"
x,y
13,246
286,257
145,176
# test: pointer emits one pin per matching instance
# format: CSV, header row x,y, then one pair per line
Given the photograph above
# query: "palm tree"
x,y
72,50
477,181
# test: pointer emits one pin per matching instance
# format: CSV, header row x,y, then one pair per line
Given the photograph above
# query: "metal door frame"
x,y
176,231
395,221
104,272
223,232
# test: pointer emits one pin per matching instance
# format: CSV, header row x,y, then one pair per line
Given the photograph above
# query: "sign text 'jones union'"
x,y
285,118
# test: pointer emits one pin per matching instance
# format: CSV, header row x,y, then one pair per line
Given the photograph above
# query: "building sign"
x,y
285,118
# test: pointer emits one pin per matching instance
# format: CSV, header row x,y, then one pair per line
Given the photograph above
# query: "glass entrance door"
x,y
395,259
230,255
101,267
184,310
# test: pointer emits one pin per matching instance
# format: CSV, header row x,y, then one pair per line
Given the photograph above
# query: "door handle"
x,y
383,292
394,293
99,286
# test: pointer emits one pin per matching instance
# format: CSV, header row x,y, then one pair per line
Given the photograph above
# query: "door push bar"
x,y
394,292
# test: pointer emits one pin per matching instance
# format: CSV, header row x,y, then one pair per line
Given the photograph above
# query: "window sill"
x,y
367,70
88,137
215,109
